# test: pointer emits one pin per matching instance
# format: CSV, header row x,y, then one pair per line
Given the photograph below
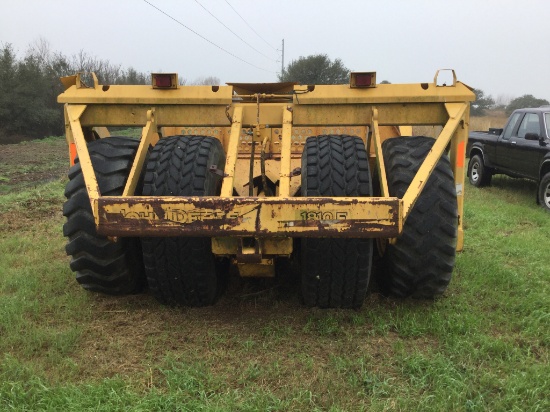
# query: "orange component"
x,y
72,153
460,154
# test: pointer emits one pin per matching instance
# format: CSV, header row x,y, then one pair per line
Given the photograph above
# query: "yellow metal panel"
x,y
284,180
232,151
361,114
456,111
405,130
286,123
117,95
102,132
245,216
73,113
166,115
270,113
383,93
458,162
314,115
149,136
281,246
378,152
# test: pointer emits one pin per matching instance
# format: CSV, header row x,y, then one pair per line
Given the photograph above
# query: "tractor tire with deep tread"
x,y
479,174
102,265
335,272
183,270
421,261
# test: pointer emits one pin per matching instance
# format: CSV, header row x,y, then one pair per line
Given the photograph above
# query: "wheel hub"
x,y
475,172
546,196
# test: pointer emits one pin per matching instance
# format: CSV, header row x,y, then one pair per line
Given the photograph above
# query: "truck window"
x,y
530,124
547,122
511,125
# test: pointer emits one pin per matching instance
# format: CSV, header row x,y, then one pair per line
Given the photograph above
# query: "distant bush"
x,y
481,104
29,87
527,100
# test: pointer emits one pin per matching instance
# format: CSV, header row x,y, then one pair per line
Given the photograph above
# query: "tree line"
x,y
29,86
483,103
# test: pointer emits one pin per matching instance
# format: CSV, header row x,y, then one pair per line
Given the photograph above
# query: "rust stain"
x,y
228,217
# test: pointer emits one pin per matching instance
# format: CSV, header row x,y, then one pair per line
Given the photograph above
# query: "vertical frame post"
x,y
286,148
458,163
232,152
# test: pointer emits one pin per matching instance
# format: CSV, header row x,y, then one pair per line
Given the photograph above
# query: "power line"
x,y
265,41
205,39
236,35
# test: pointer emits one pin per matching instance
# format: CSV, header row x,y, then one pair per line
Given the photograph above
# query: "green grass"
x,y
483,346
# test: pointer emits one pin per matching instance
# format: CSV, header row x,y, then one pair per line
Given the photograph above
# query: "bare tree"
x,y
206,81
503,100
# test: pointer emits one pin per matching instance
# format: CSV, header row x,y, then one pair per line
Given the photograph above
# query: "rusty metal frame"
x,y
245,216
273,217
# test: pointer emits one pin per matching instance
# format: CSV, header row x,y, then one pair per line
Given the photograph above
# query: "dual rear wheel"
x,y
335,272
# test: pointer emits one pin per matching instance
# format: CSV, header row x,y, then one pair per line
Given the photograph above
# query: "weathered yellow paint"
x,y
284,180
128,95
232,152
457,157
280,118
73,114
378,153
456,113
383,93
228,246
149,136
250,216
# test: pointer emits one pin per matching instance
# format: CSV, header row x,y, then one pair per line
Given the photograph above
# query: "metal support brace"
x,y
232,152
378,150
285,173
456,113
458,158
73,114
149,136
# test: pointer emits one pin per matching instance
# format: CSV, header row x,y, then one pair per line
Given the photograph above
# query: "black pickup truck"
x,y
521,149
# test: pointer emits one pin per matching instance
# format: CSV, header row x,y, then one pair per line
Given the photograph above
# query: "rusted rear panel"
x,y
275,120
249,216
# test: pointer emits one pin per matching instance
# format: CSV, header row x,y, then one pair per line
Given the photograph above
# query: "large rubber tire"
x,y
183,270
544,192
335,272
101,265
478,174
421,261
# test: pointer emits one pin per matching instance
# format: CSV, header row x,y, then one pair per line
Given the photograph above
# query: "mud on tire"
x,y
421,262
102,265
183,270
335,272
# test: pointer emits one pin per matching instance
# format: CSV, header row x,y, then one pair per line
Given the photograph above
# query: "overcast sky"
x,y
499,46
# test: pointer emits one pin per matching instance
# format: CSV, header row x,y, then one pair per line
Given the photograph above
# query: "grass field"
x,y
482,346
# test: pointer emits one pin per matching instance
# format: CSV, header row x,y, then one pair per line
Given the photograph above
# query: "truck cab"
x,y
524,143
520,149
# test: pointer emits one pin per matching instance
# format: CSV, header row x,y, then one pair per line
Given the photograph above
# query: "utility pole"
x,y
283,59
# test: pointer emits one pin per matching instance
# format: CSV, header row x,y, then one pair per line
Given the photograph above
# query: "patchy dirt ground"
x,y
31,163
254,317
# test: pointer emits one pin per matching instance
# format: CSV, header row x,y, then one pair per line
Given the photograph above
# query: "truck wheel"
x,y
478,174
101,265
183,270
421,261
335,272
544,191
